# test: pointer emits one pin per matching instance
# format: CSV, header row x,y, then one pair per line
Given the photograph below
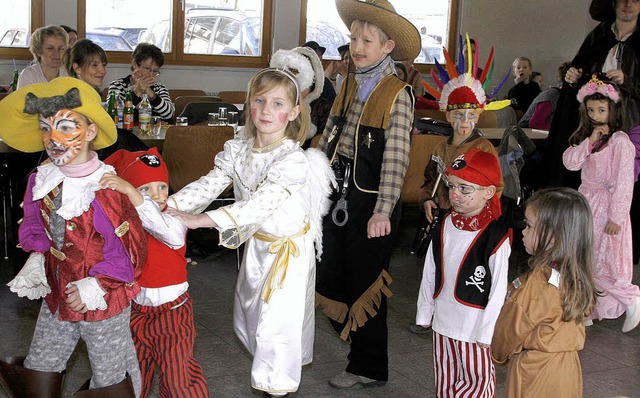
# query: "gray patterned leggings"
x,y
109,344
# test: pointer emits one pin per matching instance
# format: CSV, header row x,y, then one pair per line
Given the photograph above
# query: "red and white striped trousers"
x,y
462,370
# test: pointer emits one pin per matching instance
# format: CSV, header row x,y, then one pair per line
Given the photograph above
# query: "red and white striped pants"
x,y
164,336
462,370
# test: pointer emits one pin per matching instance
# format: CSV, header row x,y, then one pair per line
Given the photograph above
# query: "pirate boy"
x,y
465,277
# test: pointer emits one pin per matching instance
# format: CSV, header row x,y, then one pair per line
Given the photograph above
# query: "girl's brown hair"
x,y
586,126
564,232
270,79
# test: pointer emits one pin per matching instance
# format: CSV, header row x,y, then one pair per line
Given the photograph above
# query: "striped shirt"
x,y
396,153
161,104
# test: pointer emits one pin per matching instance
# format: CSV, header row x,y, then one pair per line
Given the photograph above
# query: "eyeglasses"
x,y
156,72
464,189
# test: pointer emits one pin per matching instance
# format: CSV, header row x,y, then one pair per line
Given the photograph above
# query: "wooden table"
x,y
153,140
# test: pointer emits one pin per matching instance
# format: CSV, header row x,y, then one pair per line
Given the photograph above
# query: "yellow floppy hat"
x,y
21,130
382,14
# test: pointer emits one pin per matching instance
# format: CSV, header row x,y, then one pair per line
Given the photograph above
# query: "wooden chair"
x,y
487,119
180,92
422,146
198,112
182,101
233,97
189,151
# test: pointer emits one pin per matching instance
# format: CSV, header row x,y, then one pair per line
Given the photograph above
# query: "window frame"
x,y
177,55
452,43
37,21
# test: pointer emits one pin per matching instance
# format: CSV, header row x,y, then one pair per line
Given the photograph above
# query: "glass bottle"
x,y
128,111
14,83
112,108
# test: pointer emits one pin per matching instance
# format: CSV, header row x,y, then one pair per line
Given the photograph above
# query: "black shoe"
x,y
267,395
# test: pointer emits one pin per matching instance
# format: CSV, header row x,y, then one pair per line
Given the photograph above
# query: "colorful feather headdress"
x,y
459,87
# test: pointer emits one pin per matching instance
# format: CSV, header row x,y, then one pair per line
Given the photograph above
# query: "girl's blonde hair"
x,y
586,126
270,79
564,232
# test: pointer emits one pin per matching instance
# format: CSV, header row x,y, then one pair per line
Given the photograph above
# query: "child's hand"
x,y
74,301
598,132
192,221
611,228
482,345
112,181
429,206
378,226
520,78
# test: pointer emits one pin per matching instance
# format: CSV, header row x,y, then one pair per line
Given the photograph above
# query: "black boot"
x,y
21,382
124,389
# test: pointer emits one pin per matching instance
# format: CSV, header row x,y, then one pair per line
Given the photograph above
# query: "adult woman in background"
x,y
86,61
145,67
47,45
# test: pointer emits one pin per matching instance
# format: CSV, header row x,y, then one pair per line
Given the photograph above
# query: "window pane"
x,y
431,18
116,25
15,23
228,27
325,27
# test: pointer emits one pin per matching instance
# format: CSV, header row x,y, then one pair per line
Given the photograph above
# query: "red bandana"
x,y
473,223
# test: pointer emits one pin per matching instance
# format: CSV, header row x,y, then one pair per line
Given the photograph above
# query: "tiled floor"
x,y
610,360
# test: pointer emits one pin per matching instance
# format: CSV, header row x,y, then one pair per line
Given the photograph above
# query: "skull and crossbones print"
x,y
477,279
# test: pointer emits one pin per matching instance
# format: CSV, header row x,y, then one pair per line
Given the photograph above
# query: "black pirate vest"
x,y
473,284
369,138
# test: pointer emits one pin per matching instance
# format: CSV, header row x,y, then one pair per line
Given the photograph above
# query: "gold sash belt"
x,y
283,248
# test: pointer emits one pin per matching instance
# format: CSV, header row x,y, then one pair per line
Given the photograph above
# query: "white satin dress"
x,y
281,195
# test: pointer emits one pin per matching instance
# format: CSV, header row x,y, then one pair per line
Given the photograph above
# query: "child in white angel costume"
x,y
281,195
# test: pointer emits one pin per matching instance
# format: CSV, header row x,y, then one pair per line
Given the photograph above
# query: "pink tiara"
x,y
596,85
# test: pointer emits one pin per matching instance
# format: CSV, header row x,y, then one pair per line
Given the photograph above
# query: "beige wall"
x,y
547,31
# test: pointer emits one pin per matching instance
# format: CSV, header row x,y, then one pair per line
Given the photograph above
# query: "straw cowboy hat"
x,y
382,14
20,127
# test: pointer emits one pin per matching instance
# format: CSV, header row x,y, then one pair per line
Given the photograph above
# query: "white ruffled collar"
x,y
77,192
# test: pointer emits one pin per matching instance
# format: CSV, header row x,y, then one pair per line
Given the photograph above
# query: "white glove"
x,y
31,281
91,293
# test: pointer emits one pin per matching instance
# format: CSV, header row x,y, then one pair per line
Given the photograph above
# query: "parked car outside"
x,y
15,37
115,39
211,31
327,36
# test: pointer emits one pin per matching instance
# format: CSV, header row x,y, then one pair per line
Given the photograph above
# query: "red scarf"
x,y
473,223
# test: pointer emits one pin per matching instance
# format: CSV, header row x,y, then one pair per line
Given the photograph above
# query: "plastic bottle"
x,y
112,108
144,115
128,111
120,103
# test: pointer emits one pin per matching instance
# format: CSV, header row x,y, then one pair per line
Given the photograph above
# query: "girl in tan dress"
x,y
541,325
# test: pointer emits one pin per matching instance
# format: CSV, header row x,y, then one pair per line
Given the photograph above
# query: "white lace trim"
x,y
77,193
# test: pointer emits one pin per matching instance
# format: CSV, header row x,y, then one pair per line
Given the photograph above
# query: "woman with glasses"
x,y
46,45
145,67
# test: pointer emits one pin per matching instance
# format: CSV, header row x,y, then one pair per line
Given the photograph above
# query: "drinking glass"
x,y
156,128
222,116
232,120
214,119
182,121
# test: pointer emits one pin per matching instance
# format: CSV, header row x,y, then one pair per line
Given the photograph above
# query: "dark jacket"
x,y
590,58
